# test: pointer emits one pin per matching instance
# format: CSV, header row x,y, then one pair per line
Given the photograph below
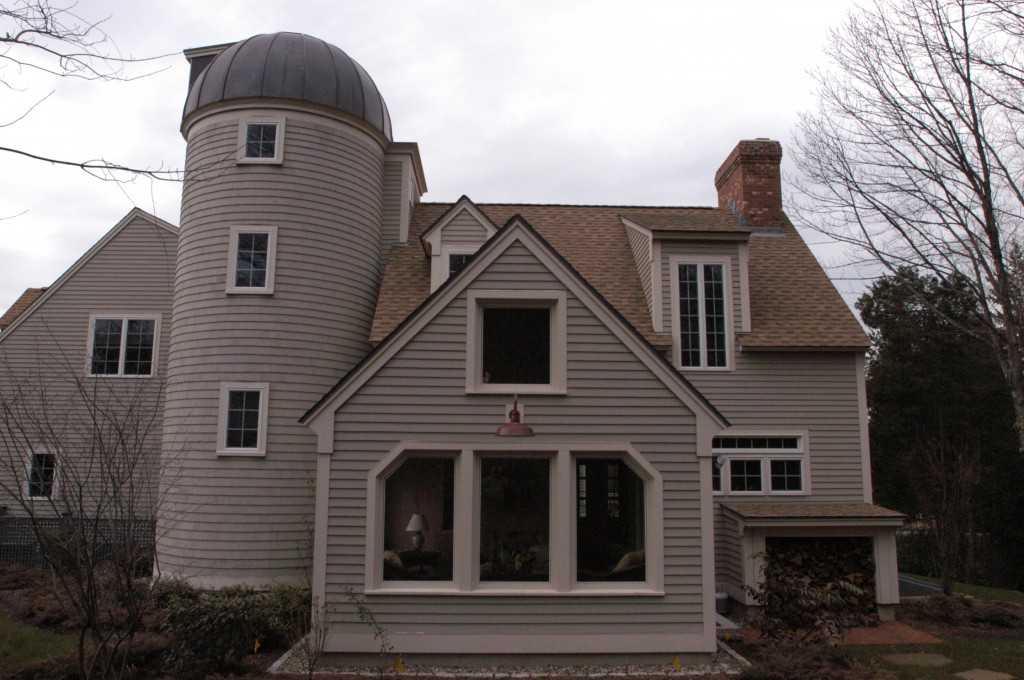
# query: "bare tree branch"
x,y
915,155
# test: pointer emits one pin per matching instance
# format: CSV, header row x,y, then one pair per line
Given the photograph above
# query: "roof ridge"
x,y
581,205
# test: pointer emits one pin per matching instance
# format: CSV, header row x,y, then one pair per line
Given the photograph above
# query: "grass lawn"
x,y
20,644
980,592
1004,656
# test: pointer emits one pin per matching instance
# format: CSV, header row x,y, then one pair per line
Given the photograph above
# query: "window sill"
x,y
241,453
512,388
250,291
259,161
118,376
446,588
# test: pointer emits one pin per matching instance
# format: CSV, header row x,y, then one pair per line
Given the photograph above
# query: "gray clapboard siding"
x,y
326,200
640,245
464,229
419,395
48,350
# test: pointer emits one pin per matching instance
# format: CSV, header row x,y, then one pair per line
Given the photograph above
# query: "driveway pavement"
x,y
915,587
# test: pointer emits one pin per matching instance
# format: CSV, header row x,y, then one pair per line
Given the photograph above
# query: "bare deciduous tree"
x,y
37,36
915,155
78,468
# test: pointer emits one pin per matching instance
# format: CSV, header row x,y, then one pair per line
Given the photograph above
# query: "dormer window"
x,y
261,141
516,342
700,306
456,261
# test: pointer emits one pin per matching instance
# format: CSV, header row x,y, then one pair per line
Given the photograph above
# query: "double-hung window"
x,y
242,428
251,260
122,345
758,465
700,305
261,141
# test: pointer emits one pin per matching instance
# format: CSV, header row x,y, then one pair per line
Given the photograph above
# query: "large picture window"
x,y
122,346
494,521
701,318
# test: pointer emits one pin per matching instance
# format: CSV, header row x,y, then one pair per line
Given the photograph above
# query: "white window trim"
x,y
477,300
765,456
726,263
278,157
124,318
260,450
446,253
55,491
271,231
562,521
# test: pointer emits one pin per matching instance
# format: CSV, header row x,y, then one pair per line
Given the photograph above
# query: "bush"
x,y
222,626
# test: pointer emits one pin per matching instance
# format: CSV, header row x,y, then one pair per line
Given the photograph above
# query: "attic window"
x,y
516,342
517,345
456,261
261,141
700,312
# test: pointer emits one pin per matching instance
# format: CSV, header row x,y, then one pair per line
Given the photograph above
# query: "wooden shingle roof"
x,y
794,306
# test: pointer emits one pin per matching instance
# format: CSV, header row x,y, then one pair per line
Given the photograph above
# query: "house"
x,y
510,428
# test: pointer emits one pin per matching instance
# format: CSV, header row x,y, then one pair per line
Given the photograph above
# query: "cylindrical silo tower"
x,y
276,281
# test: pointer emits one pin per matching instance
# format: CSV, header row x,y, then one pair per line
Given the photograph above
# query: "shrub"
x,y
223,626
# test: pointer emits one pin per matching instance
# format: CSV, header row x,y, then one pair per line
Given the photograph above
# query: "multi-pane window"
x,y
251,260
745,475
743,462
122,346
702,327
42,475
787,475
243,430
260,140
243,419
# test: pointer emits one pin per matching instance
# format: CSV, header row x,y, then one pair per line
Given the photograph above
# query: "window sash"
x,y
123,346
260,140
252,259
702,315
243,419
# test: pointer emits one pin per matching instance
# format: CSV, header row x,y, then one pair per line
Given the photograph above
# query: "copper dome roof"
x,y
290,66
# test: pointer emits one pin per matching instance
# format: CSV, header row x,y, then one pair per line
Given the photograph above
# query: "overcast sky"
x,y
556,101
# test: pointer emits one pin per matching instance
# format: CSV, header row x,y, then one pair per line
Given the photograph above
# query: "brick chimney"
x,y
750,184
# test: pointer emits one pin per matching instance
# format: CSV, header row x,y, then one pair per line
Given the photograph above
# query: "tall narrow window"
x,y
122,346
610,534
514,519
243,419
251,260
703,335
42,475
419,505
